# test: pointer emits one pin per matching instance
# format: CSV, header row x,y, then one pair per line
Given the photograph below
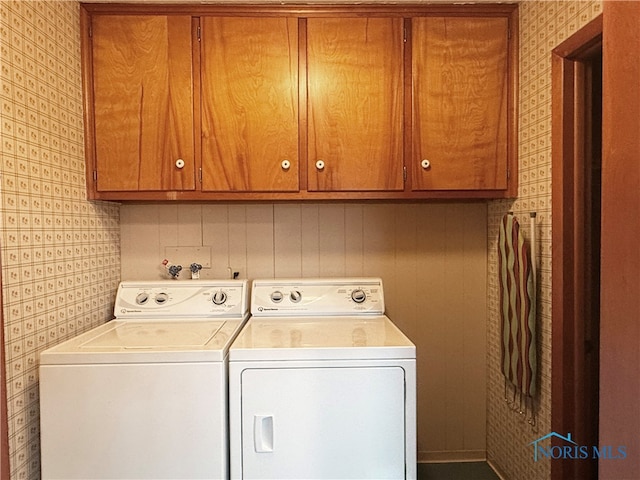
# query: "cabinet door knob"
x,y
180,163
286,164
320,165
425,164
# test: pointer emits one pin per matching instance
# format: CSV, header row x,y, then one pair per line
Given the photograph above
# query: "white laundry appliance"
x,y
322,385
144,396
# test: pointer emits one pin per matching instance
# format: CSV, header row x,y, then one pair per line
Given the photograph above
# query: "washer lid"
x,y
321,338
181,340
154,336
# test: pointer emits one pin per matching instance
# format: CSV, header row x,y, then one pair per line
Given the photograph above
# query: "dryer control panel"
x,y
313,297
192,298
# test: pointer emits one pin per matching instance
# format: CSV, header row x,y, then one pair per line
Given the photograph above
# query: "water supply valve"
x,y
195,270
172,270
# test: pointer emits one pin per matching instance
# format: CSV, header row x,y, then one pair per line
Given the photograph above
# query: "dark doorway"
x,y
592,241
577,165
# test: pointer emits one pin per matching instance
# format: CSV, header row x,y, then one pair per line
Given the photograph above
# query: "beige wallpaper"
x,y
60,253
543,25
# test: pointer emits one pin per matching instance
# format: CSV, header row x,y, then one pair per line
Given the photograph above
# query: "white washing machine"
x,y
144,396
322,385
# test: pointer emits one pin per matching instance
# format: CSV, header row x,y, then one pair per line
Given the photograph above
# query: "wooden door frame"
x,y
568,267
4,420
619,414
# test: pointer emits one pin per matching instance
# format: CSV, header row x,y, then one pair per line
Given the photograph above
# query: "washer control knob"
x,y
358,295
142,298
295,296
219,297
162,298
276,297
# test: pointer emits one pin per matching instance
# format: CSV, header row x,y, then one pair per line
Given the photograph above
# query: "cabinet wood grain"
x,y
460,88
355,103
249,72
143,102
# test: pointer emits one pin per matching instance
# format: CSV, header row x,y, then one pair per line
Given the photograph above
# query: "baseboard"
x,y
450,456
501,475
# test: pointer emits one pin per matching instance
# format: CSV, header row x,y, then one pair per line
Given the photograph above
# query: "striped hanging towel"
x,y
517,309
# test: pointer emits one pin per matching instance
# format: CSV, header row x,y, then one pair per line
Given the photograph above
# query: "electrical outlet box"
x,y
185,256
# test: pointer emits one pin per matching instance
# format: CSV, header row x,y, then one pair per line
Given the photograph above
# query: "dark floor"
x,y
456,471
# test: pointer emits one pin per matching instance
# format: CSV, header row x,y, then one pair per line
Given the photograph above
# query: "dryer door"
x,y
323,423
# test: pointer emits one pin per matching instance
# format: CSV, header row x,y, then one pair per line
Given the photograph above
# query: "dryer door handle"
x,y
263,433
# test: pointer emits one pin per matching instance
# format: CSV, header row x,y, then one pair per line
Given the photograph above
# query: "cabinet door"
x,y
355,103
459,103
249,75
143,102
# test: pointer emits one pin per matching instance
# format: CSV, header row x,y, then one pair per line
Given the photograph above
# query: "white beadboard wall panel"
x,y
379,228
260,241
310,240
431,257
455,397
354,240
189,233
237,228
458,319
287,241
404,289
475,418
431,302
141,250
169,222
331,240
215,234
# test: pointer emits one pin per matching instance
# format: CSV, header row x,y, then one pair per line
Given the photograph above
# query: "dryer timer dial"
x,y
142,298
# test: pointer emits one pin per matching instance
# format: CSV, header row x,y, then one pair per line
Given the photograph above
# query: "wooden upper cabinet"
x,y
249,81
142,102
460,103
355,104
209,102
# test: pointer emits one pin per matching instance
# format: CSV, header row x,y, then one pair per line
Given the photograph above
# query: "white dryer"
x,y
144,396
322,385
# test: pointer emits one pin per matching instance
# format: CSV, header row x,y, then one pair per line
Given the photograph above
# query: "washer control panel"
x,y
331,296
189,298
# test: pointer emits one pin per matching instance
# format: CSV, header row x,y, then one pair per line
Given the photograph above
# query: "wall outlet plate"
x,y
185,256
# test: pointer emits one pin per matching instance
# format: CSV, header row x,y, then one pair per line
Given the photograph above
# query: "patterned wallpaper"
x,y
543,25
60,253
